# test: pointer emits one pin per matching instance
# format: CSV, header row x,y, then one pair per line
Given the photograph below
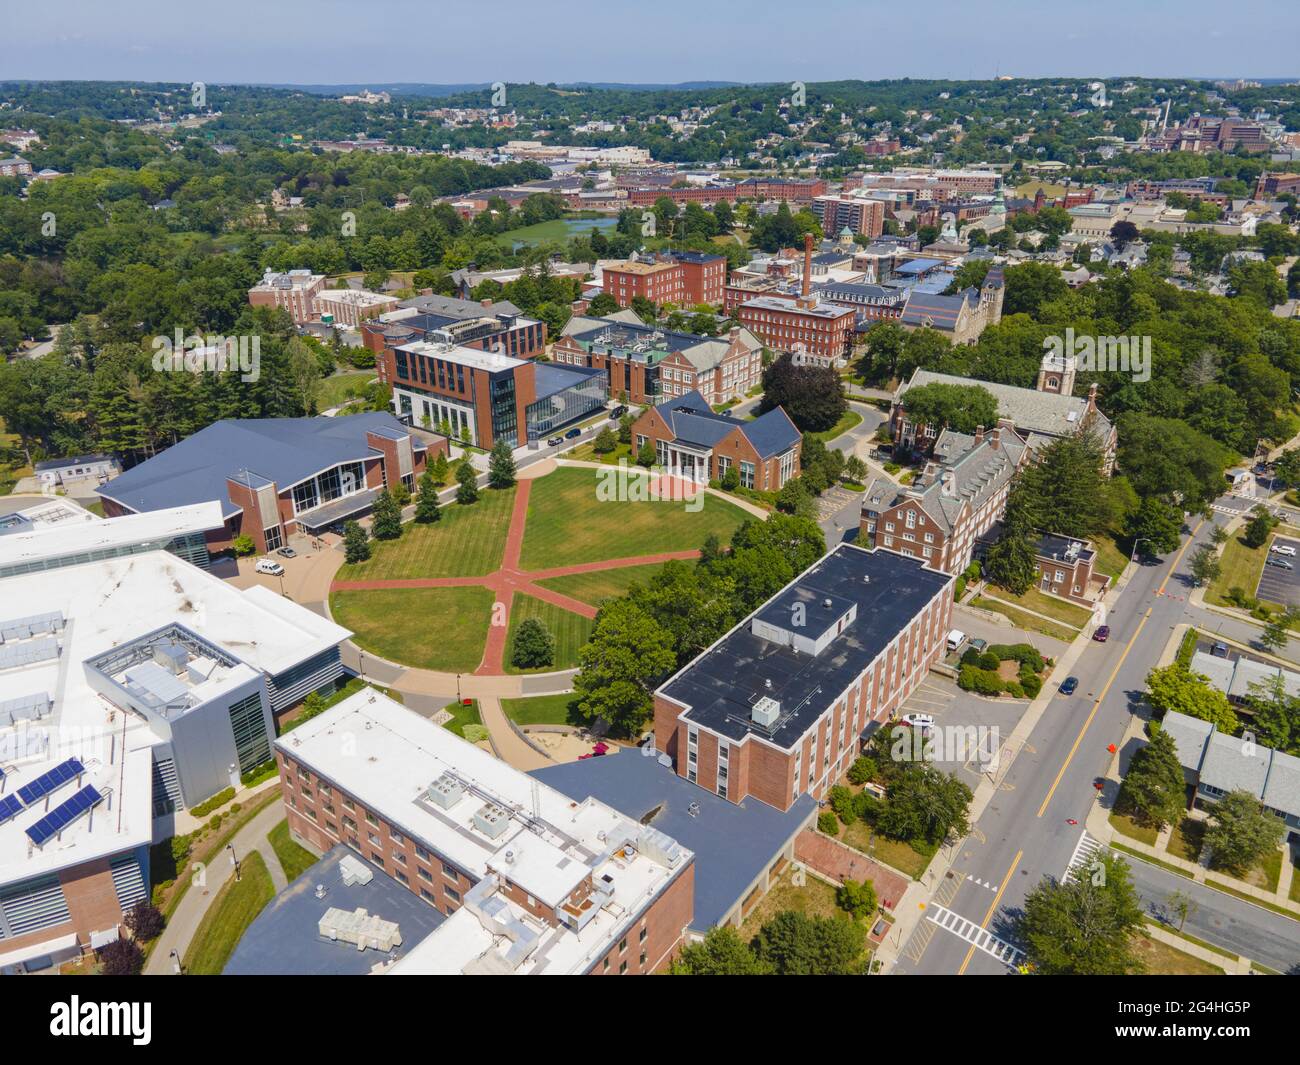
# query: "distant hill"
x,y
421,89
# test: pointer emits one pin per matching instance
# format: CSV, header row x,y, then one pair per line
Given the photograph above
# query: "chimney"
x,y
995,438
1092,395
949,481
807,265
734,333
979,434
486,303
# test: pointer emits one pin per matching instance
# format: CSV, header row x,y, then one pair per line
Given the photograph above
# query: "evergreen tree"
x,y
356,544
1153,787
386,523
426,504
1066,487
467,479
1241,832
501,466
441,469
534,645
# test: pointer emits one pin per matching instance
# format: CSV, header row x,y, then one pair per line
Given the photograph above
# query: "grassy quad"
x,y
567,524
542,710
467,542
570,630
597,586
430,628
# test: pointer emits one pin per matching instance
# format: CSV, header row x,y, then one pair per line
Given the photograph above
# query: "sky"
x,y
665,41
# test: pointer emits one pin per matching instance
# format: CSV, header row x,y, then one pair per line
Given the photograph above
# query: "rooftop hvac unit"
x,y
766,711
445,792
491,820
171,656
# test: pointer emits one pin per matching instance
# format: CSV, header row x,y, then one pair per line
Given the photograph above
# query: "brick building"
x,y
957,498
350,307
692,441
858,214
775,709
682,278
807,325
531,880
648,365
276,476
295,291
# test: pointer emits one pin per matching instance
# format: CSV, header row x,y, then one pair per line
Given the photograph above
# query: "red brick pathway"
x,y
510,579
833,859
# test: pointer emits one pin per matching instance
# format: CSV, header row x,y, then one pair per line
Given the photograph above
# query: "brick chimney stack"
x,y
807,265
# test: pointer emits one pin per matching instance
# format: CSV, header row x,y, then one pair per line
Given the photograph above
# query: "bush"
x,y
857,898
867,807
862,770
828,823
1013,688
144,920
841,800
208,805
242,545
122,957
979,681
259,773
534,645
1024,653
474,733
1031,684
731,479
605,441
987,660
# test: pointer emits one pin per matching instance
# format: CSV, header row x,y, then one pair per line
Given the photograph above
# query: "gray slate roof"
x,y
1232,764
283,450
693,422
1032,411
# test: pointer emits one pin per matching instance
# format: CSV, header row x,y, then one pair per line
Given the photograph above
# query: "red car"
x,y
1102,634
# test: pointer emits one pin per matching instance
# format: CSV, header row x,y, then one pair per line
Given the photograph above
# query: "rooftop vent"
x,y
766,711
491,820
445,792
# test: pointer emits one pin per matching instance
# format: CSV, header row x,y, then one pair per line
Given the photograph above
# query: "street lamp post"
x,y
234,859
457,687
1139,540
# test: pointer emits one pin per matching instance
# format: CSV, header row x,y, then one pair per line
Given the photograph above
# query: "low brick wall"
x,y
837,862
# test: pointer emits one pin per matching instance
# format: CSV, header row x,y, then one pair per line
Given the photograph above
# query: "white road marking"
x,y
1083,854
979,938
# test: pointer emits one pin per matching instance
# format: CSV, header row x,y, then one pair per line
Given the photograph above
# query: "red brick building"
x,y
693,442
857,214
682,278
294,291
807,325
776,708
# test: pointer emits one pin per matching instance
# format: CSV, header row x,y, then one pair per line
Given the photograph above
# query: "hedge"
x,y
208,805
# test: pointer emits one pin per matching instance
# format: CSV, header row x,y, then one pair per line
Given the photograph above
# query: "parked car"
x,y
1280,563
573,433
1282,549
617,412
286,552
978,646
924,722
1068,685
1219,650
269,565
1102,634
555,441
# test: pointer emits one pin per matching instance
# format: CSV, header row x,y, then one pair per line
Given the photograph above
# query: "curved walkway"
x,y
509,579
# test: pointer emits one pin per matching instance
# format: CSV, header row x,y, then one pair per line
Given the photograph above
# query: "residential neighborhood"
x,y
666,519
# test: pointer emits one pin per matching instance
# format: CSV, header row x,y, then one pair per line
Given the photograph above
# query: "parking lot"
x,y
1278,584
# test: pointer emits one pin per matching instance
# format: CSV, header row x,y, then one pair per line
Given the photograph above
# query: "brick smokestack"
x,y
807,266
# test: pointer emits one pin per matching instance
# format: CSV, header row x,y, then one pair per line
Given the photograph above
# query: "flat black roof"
x,y
722,685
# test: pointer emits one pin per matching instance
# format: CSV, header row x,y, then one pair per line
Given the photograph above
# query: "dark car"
x,y
617,413
287,552
1280,563
573,433
1219,650
555,441
1068,685
1102,634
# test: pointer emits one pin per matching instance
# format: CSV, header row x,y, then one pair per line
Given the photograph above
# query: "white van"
x,y
269,565
955,640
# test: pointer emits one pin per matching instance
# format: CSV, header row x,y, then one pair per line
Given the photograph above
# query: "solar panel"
x,y
49,781
9,806
63,815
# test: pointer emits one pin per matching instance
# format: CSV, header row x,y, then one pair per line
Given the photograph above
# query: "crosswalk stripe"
x,y
980,938
1083,854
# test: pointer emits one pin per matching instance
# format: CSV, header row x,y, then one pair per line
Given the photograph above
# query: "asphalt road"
x,y
1024,833
841,523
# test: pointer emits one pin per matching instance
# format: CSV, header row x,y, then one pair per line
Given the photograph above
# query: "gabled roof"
x,y
934,309
692,421
283,450
1031,411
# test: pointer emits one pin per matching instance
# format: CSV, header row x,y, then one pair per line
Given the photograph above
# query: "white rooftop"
x,y
490,361
548,844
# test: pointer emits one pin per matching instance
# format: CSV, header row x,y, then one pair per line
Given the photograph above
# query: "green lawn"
x,y
1160,959
1125,825
568,524
466,542
587,453
1186,840
1295,877
597,586
295,859
908,858
236,906
557,230
462,715
1240,568
541,710
1026,621
1039,602
570,630
430,628
334,390
848,420
1110,559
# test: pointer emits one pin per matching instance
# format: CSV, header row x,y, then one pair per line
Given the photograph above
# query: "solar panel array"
x,y
9,808
63,815
50,781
